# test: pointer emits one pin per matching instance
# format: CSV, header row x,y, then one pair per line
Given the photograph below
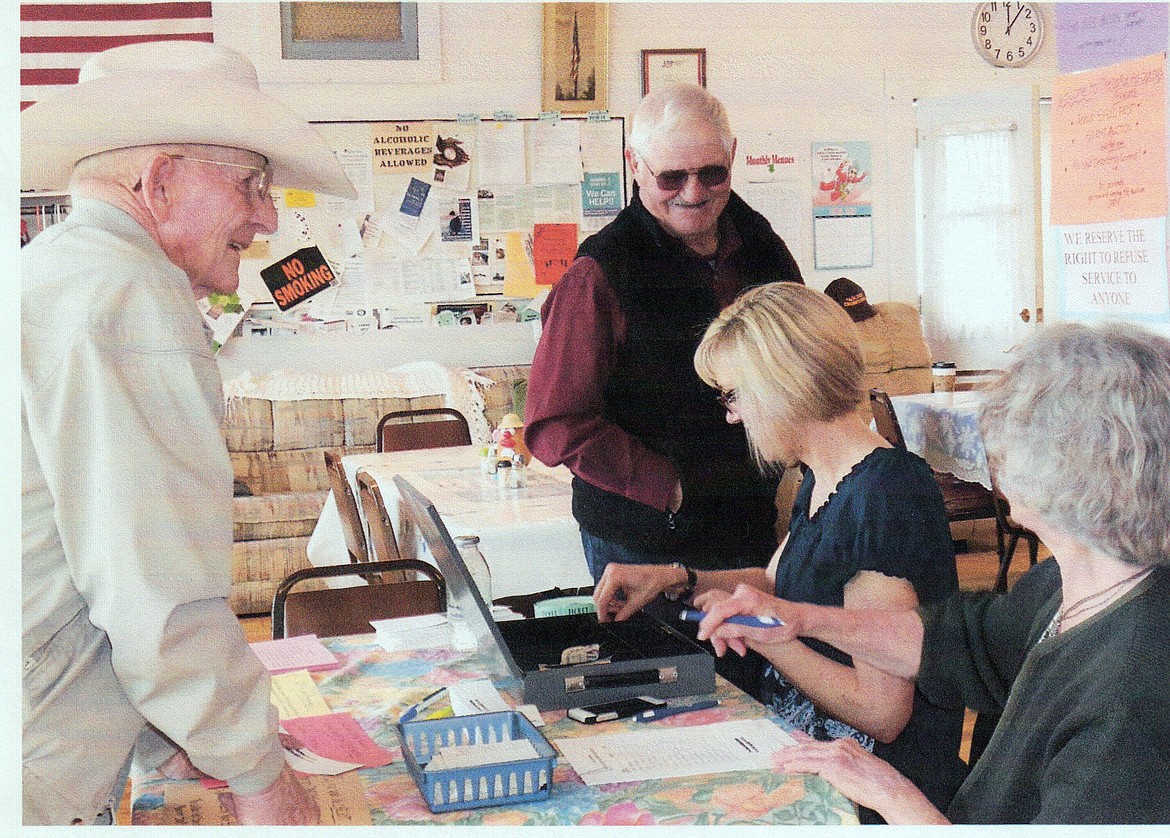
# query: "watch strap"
x,y
688,587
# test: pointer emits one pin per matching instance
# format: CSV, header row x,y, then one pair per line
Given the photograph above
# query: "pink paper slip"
x,y
338,736
292,653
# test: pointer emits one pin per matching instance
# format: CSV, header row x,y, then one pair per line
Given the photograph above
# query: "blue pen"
x,y
689,615
664,712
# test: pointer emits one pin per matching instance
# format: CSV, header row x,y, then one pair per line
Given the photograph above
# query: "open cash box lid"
x,y
639,656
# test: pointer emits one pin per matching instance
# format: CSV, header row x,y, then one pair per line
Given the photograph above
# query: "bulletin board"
x,y
457,221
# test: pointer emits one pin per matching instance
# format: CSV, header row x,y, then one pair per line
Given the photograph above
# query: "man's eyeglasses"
x,y
258,184
673,180
727,398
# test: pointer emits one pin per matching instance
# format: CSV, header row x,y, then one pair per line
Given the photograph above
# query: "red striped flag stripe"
x,y
112,11
98,43
57,38
61,75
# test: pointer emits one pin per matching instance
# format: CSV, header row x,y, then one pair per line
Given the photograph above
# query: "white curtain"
x,y
978,245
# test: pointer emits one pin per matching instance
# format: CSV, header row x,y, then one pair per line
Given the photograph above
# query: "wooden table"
x,y
375,686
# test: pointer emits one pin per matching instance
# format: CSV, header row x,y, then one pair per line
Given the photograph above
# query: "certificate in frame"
x,y
668,66
575,57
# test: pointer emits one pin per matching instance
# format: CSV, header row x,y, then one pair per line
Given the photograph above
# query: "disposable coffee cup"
x,y
943,376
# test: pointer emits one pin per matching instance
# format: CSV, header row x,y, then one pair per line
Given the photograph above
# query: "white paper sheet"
x,y
501,153
476,696
556,154
660,752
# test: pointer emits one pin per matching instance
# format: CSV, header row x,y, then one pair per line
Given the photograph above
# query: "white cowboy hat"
x,y
172,92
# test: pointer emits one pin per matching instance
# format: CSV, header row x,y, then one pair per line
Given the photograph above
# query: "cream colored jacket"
x,y
126,526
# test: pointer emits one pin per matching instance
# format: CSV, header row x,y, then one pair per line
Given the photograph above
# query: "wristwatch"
x,y
688,589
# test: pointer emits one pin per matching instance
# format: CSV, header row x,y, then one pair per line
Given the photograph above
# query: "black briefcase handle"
x,y
638,677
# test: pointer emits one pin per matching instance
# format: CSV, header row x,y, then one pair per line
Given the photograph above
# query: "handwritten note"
x,y
1092,35
291,653
1109,143
674,751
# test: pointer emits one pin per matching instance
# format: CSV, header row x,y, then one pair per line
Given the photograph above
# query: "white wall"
x,y
811,71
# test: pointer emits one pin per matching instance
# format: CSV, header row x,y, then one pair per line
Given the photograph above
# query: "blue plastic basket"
x,y
520,781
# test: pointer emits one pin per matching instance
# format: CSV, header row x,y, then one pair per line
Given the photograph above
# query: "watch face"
x,y
1007,34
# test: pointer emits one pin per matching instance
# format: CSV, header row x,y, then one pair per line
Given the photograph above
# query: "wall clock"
x,y
1007,34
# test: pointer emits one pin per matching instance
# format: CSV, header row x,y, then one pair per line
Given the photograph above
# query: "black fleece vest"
x,y
665,292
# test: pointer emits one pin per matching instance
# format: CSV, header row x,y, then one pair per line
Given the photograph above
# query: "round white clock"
x,y
1007,34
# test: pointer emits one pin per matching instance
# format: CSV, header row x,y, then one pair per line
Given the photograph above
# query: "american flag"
x,y
57,38
575,61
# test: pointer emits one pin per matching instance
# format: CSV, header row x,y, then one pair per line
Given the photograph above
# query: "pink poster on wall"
x,y
1109,143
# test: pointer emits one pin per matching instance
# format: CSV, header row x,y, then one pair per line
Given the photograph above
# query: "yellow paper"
x,y
341,799
258,249
1109,143
300,198
294,695
519,276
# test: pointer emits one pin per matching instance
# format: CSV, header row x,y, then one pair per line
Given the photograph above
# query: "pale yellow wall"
x,y
813,71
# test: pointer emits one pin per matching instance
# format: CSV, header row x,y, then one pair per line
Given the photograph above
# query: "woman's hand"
x,y
865,779
625,588
752,602
284,803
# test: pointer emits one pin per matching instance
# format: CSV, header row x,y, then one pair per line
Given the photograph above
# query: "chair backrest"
x,y
347,509
383,544
885,419
409,430
331,612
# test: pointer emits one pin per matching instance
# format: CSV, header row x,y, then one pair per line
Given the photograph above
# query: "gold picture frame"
x,y
665,66
575,57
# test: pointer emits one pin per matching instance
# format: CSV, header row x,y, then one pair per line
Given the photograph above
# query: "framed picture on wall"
x,y
339,31
669,66
575,57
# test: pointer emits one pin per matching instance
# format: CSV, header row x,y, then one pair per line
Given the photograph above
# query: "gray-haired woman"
x,y
1077,655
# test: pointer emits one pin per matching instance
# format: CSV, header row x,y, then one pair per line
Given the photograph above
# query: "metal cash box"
x,y
639,656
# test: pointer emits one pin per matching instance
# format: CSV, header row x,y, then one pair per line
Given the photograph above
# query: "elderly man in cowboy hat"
x,y
169,150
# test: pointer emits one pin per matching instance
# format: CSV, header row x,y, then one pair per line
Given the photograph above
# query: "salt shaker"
x,y
519,471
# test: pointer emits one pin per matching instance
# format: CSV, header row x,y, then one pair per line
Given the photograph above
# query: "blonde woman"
x,y
868,528
1076,655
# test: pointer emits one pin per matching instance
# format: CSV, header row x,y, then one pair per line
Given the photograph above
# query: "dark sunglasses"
x,y
727,398
675,179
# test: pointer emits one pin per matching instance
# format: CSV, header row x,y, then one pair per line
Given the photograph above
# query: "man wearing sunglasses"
x,y
659,476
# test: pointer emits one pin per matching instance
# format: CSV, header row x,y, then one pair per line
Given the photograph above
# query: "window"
x,y
348,31
977,225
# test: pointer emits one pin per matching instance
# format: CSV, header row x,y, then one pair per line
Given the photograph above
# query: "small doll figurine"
x,y
512,438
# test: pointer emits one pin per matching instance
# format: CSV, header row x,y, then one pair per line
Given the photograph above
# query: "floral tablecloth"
x,y
943,429
375,686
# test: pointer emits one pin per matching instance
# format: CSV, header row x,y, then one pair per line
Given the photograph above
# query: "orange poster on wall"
x,y
1109,143
554,247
